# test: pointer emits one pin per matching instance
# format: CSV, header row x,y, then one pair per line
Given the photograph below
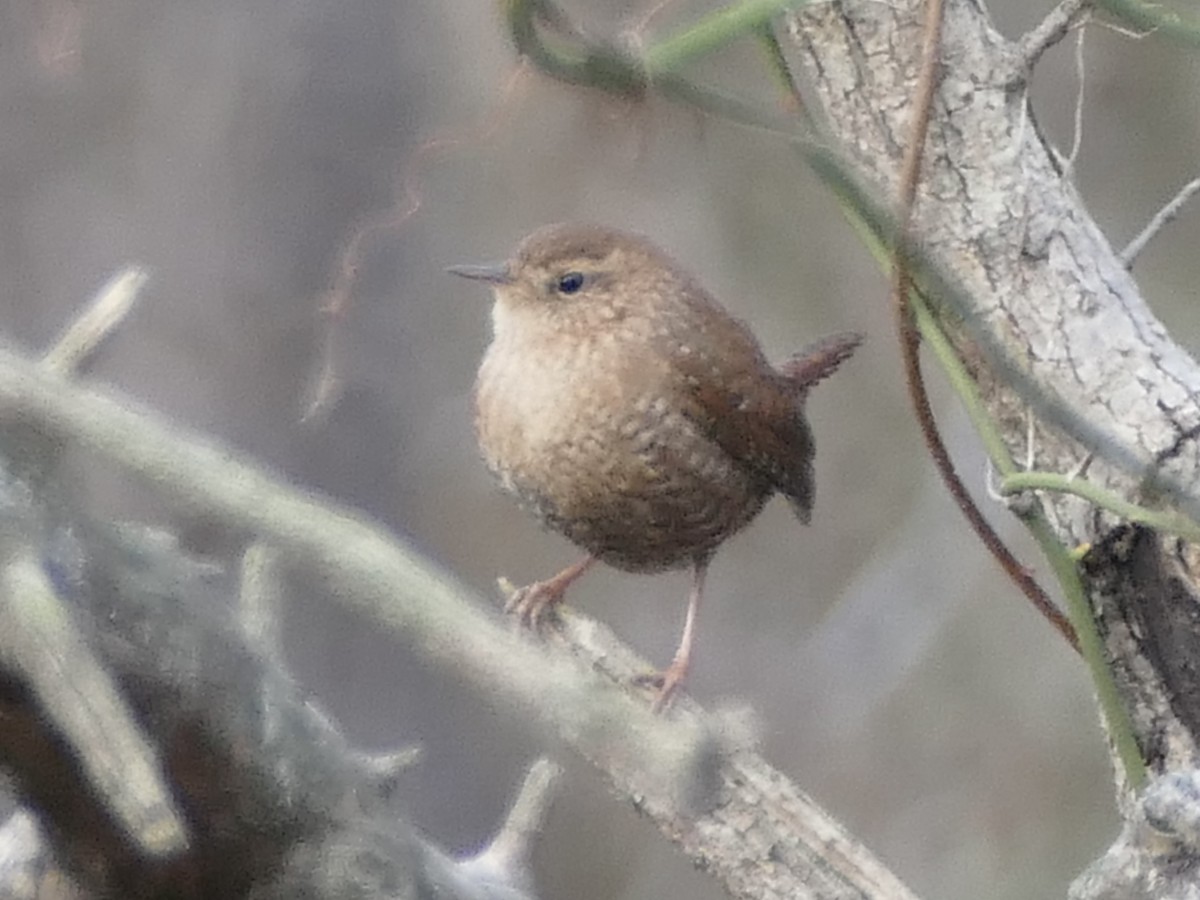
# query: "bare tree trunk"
x,y
1101,390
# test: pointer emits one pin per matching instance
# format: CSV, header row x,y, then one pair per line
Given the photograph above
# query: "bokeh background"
x,y
234,148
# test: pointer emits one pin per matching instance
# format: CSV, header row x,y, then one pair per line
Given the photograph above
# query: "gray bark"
x,y
1044,296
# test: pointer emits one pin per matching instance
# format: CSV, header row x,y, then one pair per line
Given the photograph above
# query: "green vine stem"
x,y
569,58
777,62
1153,18
1091,648
713,31
606,67
1167,521
1062,563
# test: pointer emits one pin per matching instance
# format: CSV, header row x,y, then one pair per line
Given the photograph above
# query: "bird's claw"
x,y
533,603
668,682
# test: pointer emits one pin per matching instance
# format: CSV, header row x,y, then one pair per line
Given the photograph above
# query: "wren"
x,y
629,411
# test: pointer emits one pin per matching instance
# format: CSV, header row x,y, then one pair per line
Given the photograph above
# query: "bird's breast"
x,y
591,437
549,414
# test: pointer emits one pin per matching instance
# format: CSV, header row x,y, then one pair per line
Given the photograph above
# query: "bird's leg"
x,y
671,678
531,603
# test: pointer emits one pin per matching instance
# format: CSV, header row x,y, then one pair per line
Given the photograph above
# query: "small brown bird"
x,y
624,407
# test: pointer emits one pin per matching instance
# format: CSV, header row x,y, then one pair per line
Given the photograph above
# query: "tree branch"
x,y
697,779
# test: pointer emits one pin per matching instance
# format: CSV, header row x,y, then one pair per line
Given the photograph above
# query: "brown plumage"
x,y
623,406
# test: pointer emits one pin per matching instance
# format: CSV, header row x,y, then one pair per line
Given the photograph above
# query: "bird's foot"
x,y
668,682
534,603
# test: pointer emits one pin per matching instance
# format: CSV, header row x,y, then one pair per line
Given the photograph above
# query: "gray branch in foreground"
x,y
73,692
206,772
735,815
28,869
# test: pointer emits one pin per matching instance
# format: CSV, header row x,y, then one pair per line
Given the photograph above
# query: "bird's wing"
x,y
748,409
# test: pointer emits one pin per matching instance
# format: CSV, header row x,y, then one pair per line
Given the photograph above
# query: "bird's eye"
x,y
570,283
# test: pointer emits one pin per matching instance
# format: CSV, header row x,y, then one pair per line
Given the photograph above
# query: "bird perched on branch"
x,y
629,411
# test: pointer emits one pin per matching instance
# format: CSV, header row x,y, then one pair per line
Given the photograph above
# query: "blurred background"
x,y
235,148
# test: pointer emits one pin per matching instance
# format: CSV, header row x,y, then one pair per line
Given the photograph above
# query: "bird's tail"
x,y
820,359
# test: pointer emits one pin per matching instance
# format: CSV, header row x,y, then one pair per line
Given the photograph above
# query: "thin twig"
x,y
1163,217
1049,32
259,598
325,385
100,318
964,386
1081,82
910,173
910,337
507,859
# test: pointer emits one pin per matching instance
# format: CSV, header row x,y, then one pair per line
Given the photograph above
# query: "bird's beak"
x,y
496,273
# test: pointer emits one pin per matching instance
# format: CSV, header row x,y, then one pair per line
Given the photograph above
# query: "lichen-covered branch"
x,y
225,781
700,781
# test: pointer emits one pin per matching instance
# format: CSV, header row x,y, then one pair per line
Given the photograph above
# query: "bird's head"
x,y
577,276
